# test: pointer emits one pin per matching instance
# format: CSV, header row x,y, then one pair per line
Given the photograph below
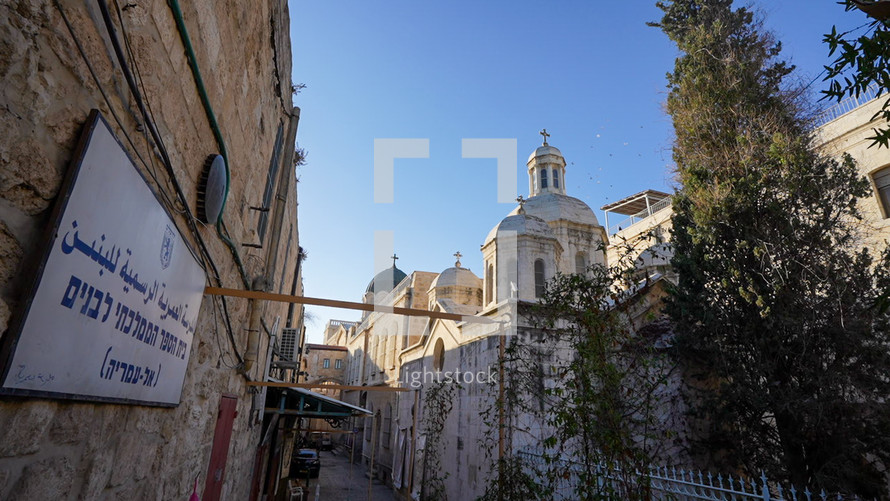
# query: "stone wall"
x,y
849,134
60,449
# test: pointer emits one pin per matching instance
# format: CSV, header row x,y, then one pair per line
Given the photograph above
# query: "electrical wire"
x,y
206,256
123,130
98,83
138,74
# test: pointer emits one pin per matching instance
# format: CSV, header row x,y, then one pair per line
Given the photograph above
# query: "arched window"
x,y
543,179
539,277
580,263
555,178
489,279
439,355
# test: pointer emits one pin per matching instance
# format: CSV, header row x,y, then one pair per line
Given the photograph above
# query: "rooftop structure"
x,y
637,207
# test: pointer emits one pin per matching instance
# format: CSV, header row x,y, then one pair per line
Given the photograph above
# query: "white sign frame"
x,y
113,308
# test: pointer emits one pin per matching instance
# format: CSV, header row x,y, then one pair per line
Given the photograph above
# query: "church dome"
x,y
555,206
521,224
457,277
544,151
386,280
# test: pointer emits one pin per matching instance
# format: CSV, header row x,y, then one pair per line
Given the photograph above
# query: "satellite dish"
x,y
212,189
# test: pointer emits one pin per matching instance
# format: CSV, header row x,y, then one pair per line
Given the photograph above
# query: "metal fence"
x,y
847,105
682,485
639,216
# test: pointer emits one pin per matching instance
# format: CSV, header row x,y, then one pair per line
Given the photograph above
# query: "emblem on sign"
x,y
167,248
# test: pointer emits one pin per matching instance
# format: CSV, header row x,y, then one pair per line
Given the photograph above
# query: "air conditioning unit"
x,y
289,344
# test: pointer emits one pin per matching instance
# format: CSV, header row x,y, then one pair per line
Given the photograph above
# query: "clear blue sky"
x,y
591,73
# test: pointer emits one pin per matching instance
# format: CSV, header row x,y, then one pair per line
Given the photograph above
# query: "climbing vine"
x,y
437,404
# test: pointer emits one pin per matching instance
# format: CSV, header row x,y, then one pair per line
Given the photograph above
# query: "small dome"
x,y
386,280
555,206
521,224
543,151
457,277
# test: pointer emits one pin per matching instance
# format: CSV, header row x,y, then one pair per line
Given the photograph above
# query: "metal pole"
x,y
351,460
373,447
413,443
501,351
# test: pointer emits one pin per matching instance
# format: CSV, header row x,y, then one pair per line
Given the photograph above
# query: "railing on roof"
x,y
345,323
847,105
639,216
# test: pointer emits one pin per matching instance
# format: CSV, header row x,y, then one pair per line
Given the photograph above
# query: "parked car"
x,y
305,460
326,443
320,440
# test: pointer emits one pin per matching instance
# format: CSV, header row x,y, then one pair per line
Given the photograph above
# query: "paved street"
x,y
339,481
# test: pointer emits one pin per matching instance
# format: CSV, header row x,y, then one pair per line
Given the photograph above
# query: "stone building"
x,y
323,363
548,233
194,145
844,129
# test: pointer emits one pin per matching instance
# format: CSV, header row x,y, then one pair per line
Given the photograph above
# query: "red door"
x,y
221,438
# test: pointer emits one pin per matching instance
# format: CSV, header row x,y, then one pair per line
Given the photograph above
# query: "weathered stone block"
x,y
97,475
24,426
44,480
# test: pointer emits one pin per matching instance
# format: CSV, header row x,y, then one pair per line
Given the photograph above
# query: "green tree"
x,y
773,297
862,62
582,388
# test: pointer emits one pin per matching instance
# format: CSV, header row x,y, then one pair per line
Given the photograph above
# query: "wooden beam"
x,y
328,431
310,386
349,305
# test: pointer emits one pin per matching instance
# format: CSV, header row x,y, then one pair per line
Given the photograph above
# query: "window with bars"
x,y
543,179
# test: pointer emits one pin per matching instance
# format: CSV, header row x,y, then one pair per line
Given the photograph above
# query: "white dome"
x,y
545,150
521,224
457,277
554,207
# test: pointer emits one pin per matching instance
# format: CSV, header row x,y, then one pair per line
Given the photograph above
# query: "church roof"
x,y
386,280
455,276
555,206
521,224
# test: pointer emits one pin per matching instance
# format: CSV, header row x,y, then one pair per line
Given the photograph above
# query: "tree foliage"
x,y
861,62
773,296
437,405
581,391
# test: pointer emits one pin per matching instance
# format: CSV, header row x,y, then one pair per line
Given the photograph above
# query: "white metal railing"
x,y
682,485
639,216
847,105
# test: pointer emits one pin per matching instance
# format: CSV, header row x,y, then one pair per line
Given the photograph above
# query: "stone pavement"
x,y
338,481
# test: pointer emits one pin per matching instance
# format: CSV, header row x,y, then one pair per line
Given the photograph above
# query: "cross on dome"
x,y
545,135
521,202
394,257
457,255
